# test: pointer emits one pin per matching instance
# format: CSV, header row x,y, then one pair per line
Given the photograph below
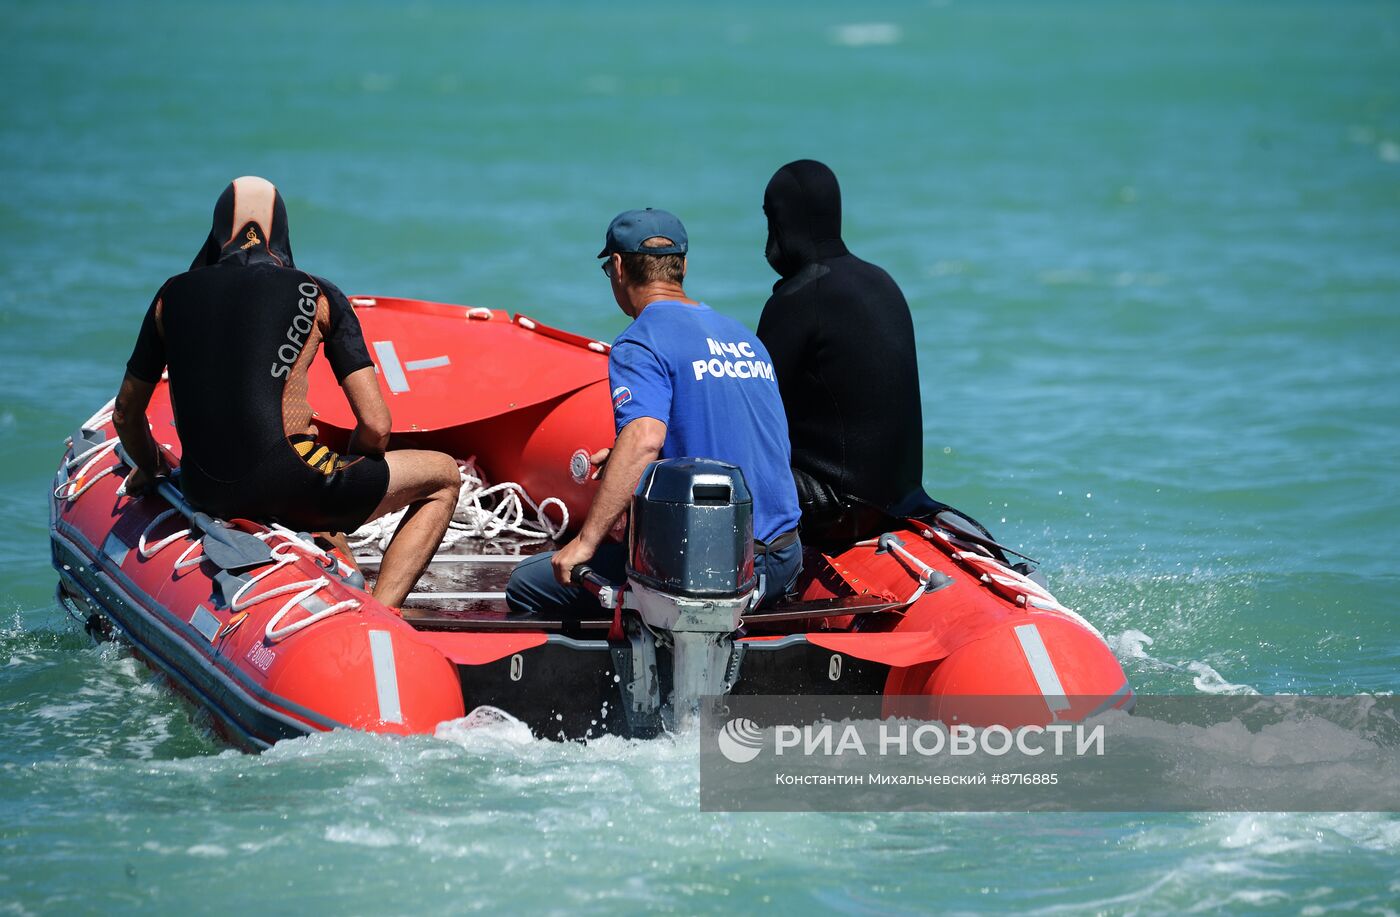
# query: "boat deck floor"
x,y
464,583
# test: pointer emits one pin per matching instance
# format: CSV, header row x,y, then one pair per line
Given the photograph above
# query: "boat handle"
x,y
609,594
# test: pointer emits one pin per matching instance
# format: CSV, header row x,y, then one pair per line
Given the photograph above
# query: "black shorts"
x,y
322,492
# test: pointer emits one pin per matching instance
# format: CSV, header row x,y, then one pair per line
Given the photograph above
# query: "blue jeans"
x,y
533,590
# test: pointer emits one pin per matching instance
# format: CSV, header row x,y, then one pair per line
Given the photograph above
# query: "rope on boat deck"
x,y
483,511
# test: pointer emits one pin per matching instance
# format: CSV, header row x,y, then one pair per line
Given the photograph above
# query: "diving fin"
x,y
230,549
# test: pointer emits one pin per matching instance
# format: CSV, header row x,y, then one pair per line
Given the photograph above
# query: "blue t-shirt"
x,y
710,380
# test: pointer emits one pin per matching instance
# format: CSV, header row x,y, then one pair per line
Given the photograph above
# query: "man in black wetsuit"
x,y
238,332
842,343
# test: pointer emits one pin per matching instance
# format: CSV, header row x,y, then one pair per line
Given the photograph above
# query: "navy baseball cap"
x,y
631,228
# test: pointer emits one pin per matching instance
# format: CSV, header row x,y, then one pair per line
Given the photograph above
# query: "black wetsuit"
x,y
842,342
239,331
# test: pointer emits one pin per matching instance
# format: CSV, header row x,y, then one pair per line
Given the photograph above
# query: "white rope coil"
x,y
483,511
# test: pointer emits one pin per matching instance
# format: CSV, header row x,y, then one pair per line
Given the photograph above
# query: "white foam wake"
x,y
1132,644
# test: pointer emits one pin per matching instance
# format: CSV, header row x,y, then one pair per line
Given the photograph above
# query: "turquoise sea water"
x,y
1153,251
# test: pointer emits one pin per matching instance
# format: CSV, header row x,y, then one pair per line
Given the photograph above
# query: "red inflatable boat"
x,y
277,638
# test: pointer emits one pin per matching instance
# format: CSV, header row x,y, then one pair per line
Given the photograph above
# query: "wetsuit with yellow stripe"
x,y
238,332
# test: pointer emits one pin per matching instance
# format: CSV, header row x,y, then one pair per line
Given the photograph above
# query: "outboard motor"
x,y
690,577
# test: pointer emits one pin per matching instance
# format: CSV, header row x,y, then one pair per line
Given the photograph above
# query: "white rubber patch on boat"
x,y
1046,678
204,621
386,676
115,548
390,366
430,363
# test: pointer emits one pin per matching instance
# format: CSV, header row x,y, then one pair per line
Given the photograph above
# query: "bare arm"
x,y
129,418
637,446
372,420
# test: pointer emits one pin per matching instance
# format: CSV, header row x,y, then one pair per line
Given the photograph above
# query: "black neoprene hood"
x,y
803,205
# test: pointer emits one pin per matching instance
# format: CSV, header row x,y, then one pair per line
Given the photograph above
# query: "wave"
x,y
863,34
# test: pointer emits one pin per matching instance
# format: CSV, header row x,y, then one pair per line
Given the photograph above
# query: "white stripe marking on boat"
x,y
390,365
430,363
1046,678
386,677
452,596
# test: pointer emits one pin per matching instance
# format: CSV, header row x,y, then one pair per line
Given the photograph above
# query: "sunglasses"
x,y
606,267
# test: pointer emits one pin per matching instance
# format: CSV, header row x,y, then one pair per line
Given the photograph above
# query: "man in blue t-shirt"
x,y
686,381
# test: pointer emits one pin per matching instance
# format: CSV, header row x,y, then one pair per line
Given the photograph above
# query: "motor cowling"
x,y
692,530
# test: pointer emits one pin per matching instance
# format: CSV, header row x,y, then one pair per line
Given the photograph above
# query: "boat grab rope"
x,y
1005,581
148,551
300,592
184,561
285,552
1010,584
483,511
77,484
